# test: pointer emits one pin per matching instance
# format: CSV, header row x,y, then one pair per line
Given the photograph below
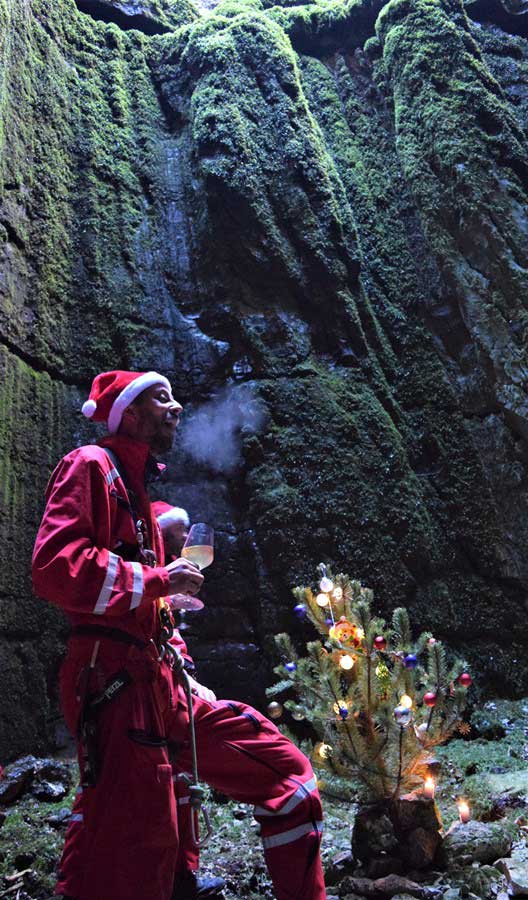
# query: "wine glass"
x,y
198,547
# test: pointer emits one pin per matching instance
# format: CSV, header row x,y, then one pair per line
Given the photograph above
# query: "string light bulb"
x,y
322,599
325,751
346,662
326,584
337,593
406,701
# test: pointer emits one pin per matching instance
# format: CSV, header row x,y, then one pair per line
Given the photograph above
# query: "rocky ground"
x,y
487,858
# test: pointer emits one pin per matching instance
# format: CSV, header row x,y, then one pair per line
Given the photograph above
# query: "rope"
x,y
196,792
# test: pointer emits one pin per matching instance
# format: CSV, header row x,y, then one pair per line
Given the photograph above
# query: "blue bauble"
x,y
403,716
300,610
290,666
343,713
410,661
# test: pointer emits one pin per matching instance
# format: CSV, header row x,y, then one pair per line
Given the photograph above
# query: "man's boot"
x,y
188,886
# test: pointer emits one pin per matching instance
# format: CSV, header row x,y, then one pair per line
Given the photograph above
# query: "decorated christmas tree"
x,y
378,700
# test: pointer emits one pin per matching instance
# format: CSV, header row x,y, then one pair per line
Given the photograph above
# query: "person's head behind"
x,y
174,524
139,405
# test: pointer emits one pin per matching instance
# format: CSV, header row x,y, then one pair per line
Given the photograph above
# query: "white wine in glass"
x,y
198,547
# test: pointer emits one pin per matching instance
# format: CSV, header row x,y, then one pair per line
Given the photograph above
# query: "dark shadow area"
x,y
105,13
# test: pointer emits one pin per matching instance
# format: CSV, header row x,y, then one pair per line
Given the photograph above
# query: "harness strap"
x,y
145,553
113,634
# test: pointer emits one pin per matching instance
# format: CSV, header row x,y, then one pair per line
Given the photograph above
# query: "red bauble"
x,y
430,699
465,679
380,642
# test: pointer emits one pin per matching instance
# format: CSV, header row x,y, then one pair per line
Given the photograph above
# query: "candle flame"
x,y
463,811
429,788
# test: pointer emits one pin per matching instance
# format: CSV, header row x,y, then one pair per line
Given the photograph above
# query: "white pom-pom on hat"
x,y
88,408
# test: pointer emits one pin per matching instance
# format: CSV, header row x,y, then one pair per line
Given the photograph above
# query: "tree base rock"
x,y
394,836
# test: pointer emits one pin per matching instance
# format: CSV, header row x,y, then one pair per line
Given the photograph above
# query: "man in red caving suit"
x,y
99,556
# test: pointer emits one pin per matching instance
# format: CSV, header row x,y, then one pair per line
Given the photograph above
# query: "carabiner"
x,y
196,794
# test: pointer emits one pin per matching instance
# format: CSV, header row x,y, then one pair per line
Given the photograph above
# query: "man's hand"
x,y
201,690
184,577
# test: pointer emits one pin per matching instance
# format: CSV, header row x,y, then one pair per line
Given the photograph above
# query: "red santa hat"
x,y
112,392
166,513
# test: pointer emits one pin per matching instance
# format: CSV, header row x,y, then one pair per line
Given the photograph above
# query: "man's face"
x,y
174,536
153,418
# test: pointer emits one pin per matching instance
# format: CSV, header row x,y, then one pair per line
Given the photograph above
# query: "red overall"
x,y
123,840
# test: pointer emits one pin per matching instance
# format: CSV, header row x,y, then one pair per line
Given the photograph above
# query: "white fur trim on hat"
x,y
176,514
129,394
88,408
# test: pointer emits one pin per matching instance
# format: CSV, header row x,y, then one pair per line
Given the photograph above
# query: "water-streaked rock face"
x,y
313,219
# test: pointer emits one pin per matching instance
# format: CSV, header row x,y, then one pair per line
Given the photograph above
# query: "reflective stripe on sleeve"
x,y
106,590
182,801
290,804
137,586
77,817
287,837
111,476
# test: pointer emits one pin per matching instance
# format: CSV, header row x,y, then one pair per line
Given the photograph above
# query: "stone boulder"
x,y
515,869
481,842
47,779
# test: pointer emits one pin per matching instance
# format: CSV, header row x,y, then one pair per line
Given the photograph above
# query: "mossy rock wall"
x,y
324,205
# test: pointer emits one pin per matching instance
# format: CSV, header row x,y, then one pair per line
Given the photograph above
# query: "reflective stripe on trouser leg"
x,y
293,834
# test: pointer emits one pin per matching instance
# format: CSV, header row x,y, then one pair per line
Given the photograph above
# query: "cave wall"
x,y
320,206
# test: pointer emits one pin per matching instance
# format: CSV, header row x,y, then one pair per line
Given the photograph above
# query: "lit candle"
x,y
463,811
429,788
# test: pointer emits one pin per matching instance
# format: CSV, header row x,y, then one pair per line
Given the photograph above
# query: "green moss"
x,y
78,177
463,155
261,157
26,833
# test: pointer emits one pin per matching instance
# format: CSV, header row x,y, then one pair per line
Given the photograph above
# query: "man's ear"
x,y
130,417
131,413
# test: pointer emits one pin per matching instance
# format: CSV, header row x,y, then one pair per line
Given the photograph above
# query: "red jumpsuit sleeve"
x,y
73,566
